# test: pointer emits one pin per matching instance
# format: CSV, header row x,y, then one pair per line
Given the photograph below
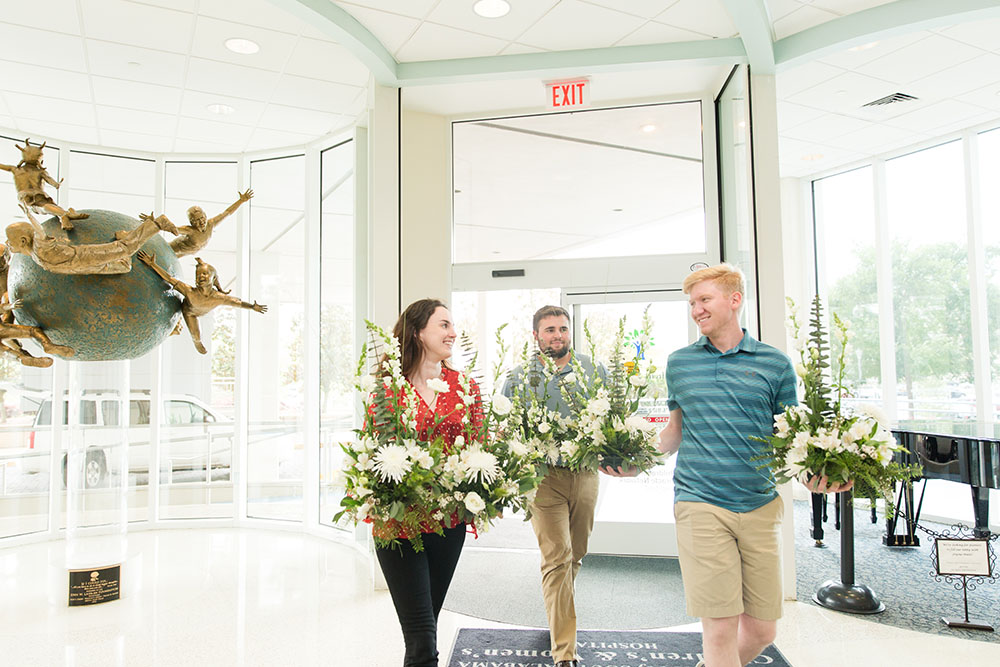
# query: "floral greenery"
x,y
822,436
608,428
532,423
405,486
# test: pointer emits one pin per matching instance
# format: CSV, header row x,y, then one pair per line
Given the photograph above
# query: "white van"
x,y
191,435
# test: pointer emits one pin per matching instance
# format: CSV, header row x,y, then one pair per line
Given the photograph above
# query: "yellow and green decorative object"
x,y
102,317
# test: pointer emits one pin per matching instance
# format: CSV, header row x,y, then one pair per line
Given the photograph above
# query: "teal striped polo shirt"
x,y
726,397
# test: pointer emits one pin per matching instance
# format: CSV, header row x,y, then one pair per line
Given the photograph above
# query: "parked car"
x,y
192,435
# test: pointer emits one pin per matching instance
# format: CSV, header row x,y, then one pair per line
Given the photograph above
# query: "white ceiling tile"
x,y
137,25
23,78
936,115
707,17
157,67
195,129
415,8
931,54
306,121
150,143
845,7
259,13
328,61
391,30
210,37
6,123
845,93
207,146
987,97
575,25
795,80
865,53
644,8
982,34
264,139
183,5
37,127
135,95
801,19
437,42
209,76
59,15
776,9
878,138
514,47
245,112
41,47
458,14
825,129
312,94
3,107
963,78
790,115
655,32
967,122
132,120
811,153
24,107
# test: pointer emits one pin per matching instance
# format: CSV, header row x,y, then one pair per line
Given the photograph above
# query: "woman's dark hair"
x,y
407,331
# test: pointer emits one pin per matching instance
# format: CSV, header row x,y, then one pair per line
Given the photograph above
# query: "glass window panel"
x,y
9,208
276,446
113,183
337,319
601,183
927,224
989,176
844,207
197,418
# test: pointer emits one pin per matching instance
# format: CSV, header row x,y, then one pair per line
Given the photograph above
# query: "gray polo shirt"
x,y
535,374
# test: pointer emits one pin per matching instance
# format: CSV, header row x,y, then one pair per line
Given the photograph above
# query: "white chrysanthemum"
x,y
392,463
518,448
544,428
637,381
599,406
474,503
439,385
480,465
501,405
874,412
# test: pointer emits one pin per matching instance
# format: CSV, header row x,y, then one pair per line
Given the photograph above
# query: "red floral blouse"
x,y
444,420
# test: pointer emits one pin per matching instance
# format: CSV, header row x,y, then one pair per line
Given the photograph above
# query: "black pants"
x,y
418,583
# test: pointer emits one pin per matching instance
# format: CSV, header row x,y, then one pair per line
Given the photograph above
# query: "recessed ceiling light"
x,y
491,9
617,210
242,46
812,157
221,109
863,47
648,127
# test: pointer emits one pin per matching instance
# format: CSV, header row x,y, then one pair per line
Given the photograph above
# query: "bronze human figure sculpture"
x,y
9,332
205,296
59,256
29,174
192,238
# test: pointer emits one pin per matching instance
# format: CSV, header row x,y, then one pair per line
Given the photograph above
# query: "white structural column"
x,y
977,281
383,204
425,269
883,282
770,258
311,335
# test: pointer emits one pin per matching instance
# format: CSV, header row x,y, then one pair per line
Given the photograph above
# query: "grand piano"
x,y
964,453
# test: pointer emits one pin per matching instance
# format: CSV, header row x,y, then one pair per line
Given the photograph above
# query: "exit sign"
x,y
567,94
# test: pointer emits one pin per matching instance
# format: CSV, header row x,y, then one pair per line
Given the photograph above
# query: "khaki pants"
x,y
563,516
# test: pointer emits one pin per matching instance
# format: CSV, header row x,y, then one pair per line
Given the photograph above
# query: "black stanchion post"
x,y
845,595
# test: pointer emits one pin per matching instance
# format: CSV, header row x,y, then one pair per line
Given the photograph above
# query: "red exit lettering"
x,y
569,94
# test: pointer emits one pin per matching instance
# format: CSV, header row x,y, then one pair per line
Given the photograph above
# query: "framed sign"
x,y
968,557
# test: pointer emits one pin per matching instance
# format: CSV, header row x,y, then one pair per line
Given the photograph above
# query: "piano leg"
x,y
904,501
818,516
981,509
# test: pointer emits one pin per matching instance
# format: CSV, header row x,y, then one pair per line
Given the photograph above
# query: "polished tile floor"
x,y
226,597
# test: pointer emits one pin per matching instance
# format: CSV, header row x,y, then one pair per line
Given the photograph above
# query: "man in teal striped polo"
x,y
723,389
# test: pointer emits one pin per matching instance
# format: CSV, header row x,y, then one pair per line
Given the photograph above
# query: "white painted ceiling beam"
x,y
895,18
754,26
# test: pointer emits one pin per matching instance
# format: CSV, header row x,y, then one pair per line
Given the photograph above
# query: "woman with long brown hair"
x,y
418,581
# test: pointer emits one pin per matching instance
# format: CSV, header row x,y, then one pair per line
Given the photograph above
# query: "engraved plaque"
x,y
94,585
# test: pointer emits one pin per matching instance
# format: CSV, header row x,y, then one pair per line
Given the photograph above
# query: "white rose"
x,y
544,428
459,442
637,381
501,405
474,503
599,406
518,448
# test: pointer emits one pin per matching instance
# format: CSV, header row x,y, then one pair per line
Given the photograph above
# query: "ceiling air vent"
x,y
890,99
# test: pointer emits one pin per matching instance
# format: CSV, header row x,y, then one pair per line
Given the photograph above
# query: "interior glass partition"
x,y
338,314
276,389
989,176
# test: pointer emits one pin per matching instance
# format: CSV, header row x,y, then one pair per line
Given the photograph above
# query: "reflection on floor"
x,y
255,597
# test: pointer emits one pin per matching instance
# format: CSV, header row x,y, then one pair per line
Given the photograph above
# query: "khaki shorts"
x,y
730,561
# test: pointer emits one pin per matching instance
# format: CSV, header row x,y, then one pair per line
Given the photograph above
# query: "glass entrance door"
x,y
635,515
